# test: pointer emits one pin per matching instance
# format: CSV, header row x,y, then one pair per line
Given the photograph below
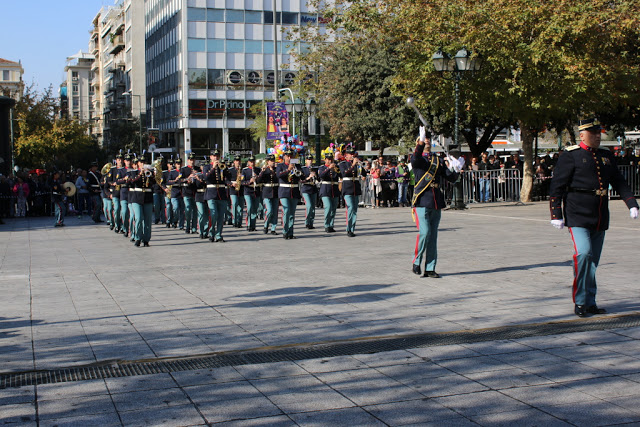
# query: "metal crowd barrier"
x,y
632,175
500,185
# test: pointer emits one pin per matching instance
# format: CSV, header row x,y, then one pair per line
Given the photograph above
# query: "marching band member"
x,y
351,171
288,192
122,180
251,192
269,181
329,175
216,196
57,197
114,175
141,195
188,193
428,202
95,188
177,204
201,204
133,174
167,193
159,214
309,191
236,194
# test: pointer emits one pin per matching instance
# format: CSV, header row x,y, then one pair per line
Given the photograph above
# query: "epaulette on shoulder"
x,y
572,147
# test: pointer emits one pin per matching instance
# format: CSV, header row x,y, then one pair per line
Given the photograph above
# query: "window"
x,y
197,78
289,18
253,46
215,78
268,17
251,17
235,16
196,14
198,108
215,15
235,46
5,75
196,45
74,88
215,45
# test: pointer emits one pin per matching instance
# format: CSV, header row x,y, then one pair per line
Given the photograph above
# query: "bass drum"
x,y
70,188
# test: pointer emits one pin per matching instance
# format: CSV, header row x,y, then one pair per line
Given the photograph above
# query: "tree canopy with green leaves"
x,y
544,63
44,141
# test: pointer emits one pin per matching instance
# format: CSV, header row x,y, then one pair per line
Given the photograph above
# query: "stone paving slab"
x,y
81,294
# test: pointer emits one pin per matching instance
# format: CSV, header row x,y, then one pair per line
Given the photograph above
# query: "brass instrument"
x,y
106,168
239,179
157,167
294,172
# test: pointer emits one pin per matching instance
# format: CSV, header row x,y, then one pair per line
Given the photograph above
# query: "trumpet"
x,y
294,172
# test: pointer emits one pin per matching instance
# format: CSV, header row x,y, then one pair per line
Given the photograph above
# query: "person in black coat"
x,y
579,199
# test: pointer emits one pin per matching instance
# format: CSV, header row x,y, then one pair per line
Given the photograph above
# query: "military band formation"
x,y
201,199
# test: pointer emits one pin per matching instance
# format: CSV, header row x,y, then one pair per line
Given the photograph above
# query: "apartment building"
x,y
117,44
77,92
11,83
209,61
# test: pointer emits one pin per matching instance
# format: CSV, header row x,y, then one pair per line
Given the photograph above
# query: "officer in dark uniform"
x,y
107,205
57,198
352,171
579,199
428,201
201,204
122,185
251,191
309,191
236,195
167,193
216,196
114,175
141,195
269,181
132,175
177,204
188,194
289,175
95,189
159,214
329,175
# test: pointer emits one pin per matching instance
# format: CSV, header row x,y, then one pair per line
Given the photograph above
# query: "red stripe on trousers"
x,y
575,267
415,211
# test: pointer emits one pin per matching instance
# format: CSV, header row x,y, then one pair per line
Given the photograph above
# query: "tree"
x,y
43,141
545,63
355,88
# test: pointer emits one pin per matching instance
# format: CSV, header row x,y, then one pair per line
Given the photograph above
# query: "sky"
x,y
43,33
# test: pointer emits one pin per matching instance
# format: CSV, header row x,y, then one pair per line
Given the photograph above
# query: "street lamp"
x,y
313,107
462,65
139,115
293,128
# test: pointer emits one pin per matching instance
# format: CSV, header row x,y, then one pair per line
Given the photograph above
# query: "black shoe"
x,y
121,231
187,231
220,240
212,239
201,236
117,230
285,237
595,310
146,244
274,232
182,228
326,230
137,243
175,225
111,227
580,310
431,274
265,231
168,225
157,221
292,237
310,227
416,269
252,229
351,234
332,230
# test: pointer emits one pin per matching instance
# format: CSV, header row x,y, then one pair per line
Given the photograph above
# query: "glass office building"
x,y
209,61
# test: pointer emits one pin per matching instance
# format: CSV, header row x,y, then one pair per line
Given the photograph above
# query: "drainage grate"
x,y
312,351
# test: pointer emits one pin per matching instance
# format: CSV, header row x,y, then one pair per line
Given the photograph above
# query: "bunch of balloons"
x,y
289,142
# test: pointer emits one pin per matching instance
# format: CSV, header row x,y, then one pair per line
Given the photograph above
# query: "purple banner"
x,y
277,120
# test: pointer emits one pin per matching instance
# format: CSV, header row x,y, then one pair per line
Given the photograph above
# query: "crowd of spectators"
x,y
28,194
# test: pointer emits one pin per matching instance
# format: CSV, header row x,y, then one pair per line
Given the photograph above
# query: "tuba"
x,y
106,168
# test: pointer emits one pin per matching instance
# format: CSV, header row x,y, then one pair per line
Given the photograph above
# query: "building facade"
x,y
77,92
11,84
209,61
117,44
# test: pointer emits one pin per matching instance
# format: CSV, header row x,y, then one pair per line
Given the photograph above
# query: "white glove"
x,y
423,134
453,163
633,212
558,223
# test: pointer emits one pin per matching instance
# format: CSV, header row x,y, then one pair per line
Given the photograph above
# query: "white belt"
x,y
329,182
288,185
216,185
271,185
202,190
349,178
144,190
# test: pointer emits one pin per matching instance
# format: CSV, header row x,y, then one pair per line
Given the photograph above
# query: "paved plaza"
x,y
82,295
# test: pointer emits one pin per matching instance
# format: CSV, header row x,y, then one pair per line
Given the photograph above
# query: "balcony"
x,y
117,44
